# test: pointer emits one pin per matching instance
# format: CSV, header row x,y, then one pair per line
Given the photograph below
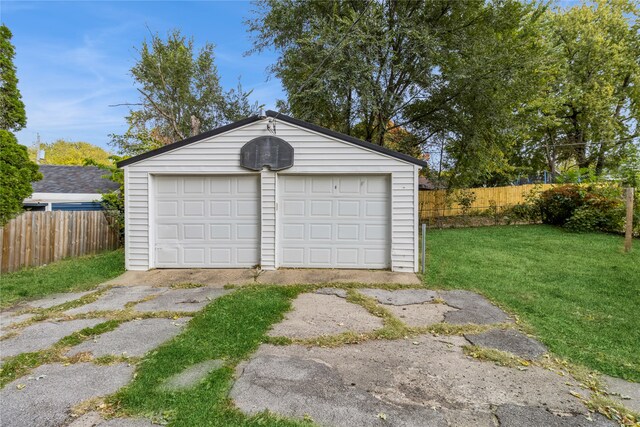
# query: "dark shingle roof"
x,y
73,179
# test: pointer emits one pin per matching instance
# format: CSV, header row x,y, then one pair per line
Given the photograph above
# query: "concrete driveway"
x,y
337,367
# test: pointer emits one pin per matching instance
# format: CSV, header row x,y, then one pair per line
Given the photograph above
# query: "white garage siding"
x,y
315,153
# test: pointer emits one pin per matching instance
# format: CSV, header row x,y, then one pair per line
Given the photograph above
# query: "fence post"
x,y
424,248
628,232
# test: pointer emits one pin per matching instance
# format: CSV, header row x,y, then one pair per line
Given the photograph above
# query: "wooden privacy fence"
x,y
439,203
38,238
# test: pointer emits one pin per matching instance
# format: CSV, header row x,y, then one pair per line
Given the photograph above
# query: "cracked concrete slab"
x,y
314,315
42,335
216,278
342,293
134,338
304,387
94,419
8,319
116,298
518,416
624,392
186,300
417,315
46,402
426,372
191,376
509,340
400,297
57,299
472,308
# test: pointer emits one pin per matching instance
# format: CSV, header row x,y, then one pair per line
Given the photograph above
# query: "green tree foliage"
x,y
63,152
12,113
588,108
364,68
113,201
17,173
500,87
180,95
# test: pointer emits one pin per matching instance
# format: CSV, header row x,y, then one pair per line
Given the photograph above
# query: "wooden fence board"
x,y
38,238
438,203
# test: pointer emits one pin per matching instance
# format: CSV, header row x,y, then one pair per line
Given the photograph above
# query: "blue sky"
x,y
73,58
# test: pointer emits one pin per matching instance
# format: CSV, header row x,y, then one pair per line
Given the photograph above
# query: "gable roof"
x,y
73,179
284,118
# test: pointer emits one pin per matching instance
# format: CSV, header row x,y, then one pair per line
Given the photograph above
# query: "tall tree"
x,y
366,68
12,113
63,152
17,173
588,110
180,95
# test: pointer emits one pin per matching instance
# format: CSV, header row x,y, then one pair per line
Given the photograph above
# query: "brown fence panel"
x,y
439,203
39,238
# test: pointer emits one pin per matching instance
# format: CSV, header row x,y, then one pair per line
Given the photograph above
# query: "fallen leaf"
x,y
382,416
20,386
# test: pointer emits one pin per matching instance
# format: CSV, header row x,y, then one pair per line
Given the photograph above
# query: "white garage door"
x,y
207,221
334,221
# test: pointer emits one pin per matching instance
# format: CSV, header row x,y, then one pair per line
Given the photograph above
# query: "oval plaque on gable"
x,y
270,151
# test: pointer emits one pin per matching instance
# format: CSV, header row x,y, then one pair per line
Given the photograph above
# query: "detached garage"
x,y
272,192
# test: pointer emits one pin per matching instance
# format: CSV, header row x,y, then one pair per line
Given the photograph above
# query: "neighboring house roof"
x,y
73,179
284,118
426,184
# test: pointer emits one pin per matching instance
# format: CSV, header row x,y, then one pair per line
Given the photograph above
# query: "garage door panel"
x,y
167,208
334,221
207,221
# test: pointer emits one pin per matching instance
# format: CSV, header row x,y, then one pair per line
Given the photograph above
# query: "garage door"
x,y
334,221
206,221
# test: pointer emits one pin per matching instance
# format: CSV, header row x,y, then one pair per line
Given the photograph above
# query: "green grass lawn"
x,y
579,292
72,274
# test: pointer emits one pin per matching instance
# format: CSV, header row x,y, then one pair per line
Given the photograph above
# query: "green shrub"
x,y
557,204
522,212
583,208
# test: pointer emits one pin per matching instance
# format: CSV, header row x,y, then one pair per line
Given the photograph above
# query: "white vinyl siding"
x,y
268,222
315,153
